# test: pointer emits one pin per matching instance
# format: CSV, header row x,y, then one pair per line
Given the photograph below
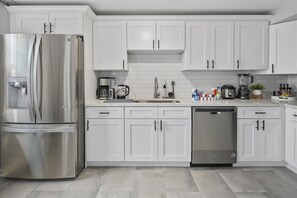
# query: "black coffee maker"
x,y
244,80
106,88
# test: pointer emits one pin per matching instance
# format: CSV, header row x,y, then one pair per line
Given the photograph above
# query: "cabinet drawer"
x,y
291,114
174,112
105,112
140,112
259,112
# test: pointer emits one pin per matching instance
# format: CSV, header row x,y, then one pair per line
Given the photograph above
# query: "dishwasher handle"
x,y
215,113
214,109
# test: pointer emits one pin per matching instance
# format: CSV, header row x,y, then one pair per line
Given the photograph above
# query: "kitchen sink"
x,y
157,101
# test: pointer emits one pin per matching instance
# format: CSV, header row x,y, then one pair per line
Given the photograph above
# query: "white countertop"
x,y
189,103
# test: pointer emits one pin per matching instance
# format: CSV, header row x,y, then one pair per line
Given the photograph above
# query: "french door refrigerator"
x,y
41,106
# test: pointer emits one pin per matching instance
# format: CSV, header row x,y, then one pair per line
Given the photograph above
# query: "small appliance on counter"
x,y
228,92
244,80
122,91
106,88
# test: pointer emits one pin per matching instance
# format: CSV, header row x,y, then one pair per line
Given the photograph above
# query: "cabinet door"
x,y
291,143
247,140
66,23
32,23
109,44
251,45
270,140
171,35
222,45
175,140
197,41
105,140
286,50
141,140
141,35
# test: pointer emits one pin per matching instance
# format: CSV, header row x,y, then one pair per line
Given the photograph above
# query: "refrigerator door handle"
x,y
64,129
36,77
30,80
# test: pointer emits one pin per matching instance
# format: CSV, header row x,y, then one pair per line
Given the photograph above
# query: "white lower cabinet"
x,y
175,140
104,134
259,139
141,140
157,138
291,137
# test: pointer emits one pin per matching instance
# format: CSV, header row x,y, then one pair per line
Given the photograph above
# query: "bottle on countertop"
x,y
165,95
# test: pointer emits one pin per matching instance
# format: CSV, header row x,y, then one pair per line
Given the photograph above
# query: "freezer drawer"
x,y
38,151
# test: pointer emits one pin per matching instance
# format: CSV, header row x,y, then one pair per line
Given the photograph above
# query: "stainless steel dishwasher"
x,y
214,135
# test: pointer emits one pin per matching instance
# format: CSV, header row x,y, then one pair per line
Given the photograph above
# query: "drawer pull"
x,y
260,112
295,115
104,113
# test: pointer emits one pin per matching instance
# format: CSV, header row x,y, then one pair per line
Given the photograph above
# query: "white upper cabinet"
x,y
66,23
47,19
222,45
210,46
171,35
31,23
109,45
151,35
141,35
197,41
251,45
284,49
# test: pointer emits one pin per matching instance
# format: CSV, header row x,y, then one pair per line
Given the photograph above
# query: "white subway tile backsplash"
x,y
144,68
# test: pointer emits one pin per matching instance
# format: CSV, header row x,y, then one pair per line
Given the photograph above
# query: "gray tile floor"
x,y
160,182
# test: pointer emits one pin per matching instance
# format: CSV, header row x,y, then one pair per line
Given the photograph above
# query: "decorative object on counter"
x,y
166,94
257,90
122,91
244,80
195,95
284,93
228,92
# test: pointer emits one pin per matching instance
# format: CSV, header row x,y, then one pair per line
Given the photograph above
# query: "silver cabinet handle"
x,y
44,28
260,113
295,115
257,127
88,125
123,64
155,125
158,44
263,125
153,44
238,64
161,123
104,113
272,67
213,63
51,25
207,64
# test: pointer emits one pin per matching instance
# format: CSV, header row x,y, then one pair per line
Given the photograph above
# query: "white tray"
x,y
279,98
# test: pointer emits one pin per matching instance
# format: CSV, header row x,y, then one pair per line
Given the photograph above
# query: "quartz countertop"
x,y
189,103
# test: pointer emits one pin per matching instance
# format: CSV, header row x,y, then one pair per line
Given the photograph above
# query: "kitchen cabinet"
x,y
259,138
151,35
104,134
251,45
283,48
291,137
158,134
210,45
27,19
109,45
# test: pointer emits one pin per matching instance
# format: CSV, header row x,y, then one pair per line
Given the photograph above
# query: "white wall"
x,y
285,12
144,68
4,20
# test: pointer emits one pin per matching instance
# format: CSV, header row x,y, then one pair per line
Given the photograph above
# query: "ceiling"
x,y
168,6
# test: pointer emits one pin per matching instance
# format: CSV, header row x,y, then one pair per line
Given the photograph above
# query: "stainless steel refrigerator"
x,y
41,106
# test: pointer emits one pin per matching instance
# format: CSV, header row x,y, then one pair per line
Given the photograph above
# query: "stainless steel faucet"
x,y
156,91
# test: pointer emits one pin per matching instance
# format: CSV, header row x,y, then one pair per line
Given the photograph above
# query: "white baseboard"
x,y
150,164
260,164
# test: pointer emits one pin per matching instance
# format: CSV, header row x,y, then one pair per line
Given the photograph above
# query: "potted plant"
x,y
257,90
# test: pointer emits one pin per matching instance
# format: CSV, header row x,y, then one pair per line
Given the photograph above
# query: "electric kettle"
x,y
122,91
